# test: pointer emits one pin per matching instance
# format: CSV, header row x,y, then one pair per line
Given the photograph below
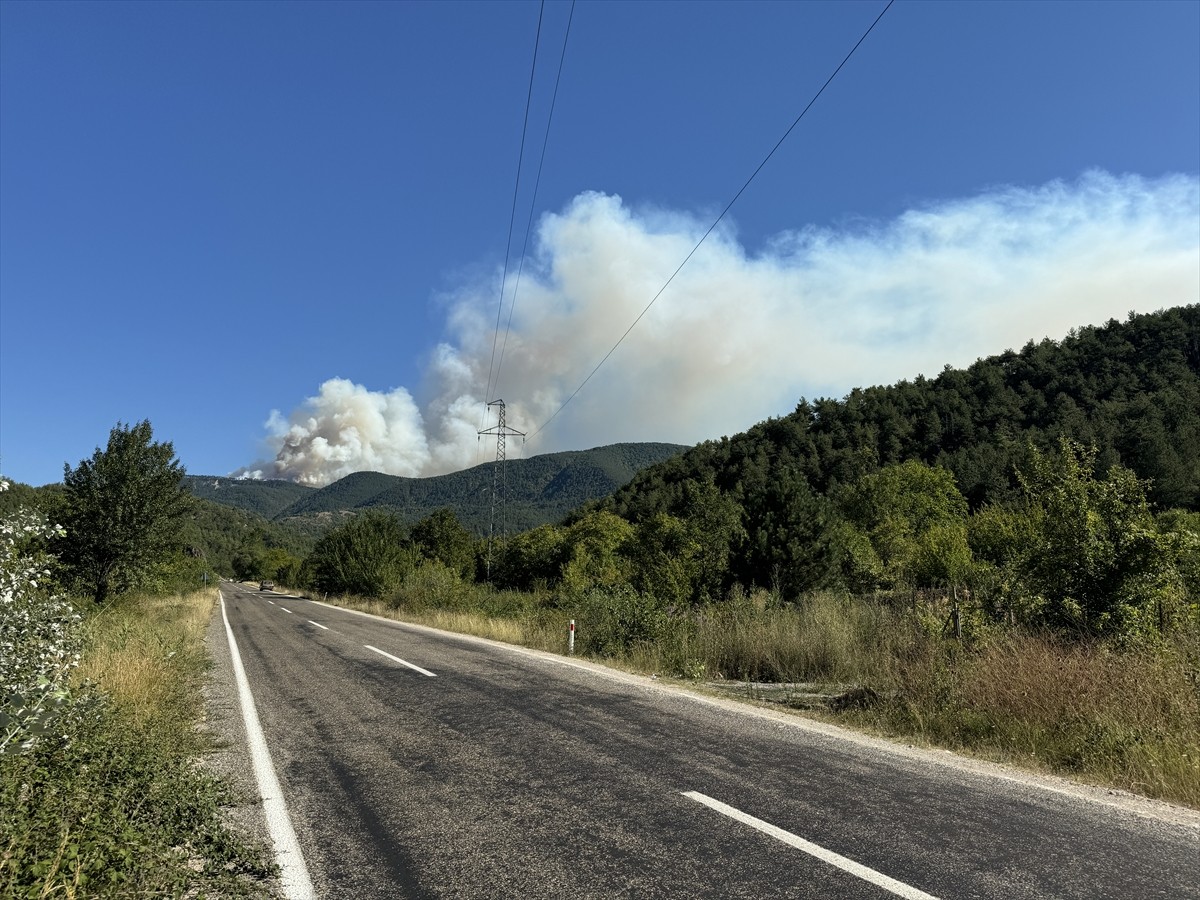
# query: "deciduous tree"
x,y
369,555
1099,561
123,512
440,536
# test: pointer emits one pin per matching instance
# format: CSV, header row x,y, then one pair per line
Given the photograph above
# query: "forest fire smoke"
x,y
738,337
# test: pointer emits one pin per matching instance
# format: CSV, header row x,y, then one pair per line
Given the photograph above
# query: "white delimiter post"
x,y
571,638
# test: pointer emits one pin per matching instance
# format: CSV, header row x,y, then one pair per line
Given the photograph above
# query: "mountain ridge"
x,y
538,490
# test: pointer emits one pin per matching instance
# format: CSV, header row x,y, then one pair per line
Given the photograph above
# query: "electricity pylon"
x,y
501,431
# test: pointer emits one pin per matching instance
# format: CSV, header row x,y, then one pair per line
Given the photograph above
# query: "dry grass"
x,y
524,632
1129,718
148,654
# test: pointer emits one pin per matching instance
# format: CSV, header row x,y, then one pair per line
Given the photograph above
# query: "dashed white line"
x,y
286,610
272,602
319,625
293,872
899,888
401,661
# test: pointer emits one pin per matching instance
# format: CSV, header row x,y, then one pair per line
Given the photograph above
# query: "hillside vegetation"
x,y
1128,391
232,541
536,491
266,498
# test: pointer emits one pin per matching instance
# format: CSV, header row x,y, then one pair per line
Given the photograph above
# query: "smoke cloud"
x,y
738,336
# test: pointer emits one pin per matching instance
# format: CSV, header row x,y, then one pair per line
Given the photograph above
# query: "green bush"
x,y
612,621
114,812
432,585
112,802
370,556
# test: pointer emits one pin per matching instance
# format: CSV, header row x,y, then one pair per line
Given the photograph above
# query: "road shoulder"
x,y
230,758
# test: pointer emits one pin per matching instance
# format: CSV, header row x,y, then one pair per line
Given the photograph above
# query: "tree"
x,y
440,536
369,556
591,552
531,559
911,521
123,512
791,530
1099,560
664,559
1182,532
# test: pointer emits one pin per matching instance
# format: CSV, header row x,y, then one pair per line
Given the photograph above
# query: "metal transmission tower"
x,y
501,431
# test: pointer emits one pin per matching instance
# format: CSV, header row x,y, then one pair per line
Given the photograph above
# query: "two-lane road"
x,y
421,764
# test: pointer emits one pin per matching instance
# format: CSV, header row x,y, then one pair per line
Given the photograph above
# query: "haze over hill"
x,y
741,333
537,491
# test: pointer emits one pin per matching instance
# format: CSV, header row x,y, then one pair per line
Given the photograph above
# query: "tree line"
x,y
1058,486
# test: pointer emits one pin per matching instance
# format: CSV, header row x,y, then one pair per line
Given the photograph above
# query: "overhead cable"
x,y
533,202
516,188
716,221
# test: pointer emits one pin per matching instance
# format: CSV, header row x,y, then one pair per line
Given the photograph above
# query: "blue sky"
x,y
276,230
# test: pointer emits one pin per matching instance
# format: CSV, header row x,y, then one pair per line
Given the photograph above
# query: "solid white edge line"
x,y
293,872
401,661
899,888
318,624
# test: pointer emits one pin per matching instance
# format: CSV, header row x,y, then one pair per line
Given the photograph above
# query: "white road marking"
x,y
318,624
286,610
272,602
402,662
899,888
293,872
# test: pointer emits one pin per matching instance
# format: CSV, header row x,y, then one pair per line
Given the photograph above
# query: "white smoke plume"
x,y
738,337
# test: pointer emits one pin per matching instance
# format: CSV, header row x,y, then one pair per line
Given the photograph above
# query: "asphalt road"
x,y
491,772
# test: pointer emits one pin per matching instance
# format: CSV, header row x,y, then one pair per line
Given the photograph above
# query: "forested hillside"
x,y
242,543
537,490
1131,389
844,492
264,498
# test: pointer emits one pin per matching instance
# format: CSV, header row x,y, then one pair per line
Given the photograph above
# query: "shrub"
x,y
39,635
611,621
369,555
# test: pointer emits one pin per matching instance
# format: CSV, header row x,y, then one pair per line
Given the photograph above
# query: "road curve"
x,y
421,764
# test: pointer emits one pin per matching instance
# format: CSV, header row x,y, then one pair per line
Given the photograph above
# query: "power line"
x,y
516,188
533,202
718,219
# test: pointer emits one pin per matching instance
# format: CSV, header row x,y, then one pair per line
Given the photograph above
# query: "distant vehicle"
x,y
266,585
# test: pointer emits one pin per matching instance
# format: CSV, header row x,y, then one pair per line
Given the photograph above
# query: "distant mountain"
x,y
264,498
536,491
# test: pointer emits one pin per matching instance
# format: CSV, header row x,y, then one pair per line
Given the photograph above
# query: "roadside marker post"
x,y
571,638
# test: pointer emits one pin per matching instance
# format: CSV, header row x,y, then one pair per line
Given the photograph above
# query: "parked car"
x,y
266,585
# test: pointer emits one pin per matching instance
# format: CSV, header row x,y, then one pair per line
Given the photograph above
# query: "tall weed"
x,y
1128,717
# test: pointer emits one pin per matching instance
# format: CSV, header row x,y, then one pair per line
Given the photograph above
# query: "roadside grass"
x,y
1127,718
1124,717
119,806
537,633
